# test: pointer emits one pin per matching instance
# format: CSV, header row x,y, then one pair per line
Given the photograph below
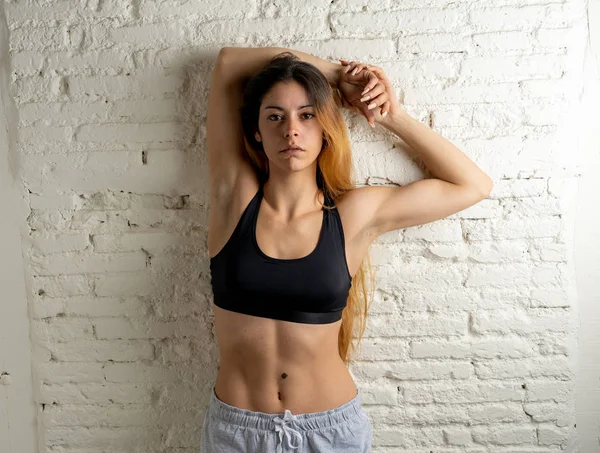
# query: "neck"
x,y
292,195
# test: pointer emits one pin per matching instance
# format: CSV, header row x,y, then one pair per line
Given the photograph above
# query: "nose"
x,y
291,128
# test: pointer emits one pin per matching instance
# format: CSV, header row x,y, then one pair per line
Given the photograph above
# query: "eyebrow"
x,y
281,108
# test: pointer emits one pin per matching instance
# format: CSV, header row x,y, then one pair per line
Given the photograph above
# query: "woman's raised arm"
x,y
245,62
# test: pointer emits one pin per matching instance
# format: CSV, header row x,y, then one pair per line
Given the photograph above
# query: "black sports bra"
x,y
311,290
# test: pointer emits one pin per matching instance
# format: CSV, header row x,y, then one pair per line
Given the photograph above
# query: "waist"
x,y
302,388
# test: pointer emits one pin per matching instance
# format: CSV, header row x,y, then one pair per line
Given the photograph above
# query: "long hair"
x,y
334,167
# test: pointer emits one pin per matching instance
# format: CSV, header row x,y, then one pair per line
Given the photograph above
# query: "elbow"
x,y
225,56
487,189
222,56
481,190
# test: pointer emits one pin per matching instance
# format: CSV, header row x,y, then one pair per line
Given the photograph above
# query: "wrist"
x,y
333,73
394,119
399,122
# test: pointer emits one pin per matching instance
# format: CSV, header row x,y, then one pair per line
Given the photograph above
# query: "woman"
x,y
288,235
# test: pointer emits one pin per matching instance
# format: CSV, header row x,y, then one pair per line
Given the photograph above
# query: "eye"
x,y
310,114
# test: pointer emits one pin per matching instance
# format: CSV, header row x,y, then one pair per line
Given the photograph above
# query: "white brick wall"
x,y
467,346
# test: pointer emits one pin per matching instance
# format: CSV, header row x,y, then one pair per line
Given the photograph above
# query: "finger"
x,y
372,81
380,73
377,70
387,84
378,101
374,68
345,64
373,92
358,68
385,108
351,65
370,116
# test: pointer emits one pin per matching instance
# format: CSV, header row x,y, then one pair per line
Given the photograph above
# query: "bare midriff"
x,y
268,365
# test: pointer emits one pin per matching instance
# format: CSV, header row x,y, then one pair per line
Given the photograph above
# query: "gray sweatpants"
x,y
229,429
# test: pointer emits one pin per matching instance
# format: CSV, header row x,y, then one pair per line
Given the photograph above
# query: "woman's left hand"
x,y
363,92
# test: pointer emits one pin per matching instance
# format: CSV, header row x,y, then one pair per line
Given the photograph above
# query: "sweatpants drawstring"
x,y
282,429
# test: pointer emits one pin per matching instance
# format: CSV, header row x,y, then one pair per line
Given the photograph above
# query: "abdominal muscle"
x,y
268,365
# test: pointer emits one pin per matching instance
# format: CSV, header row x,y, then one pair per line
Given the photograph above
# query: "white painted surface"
x,y
17,411
471,343
587,248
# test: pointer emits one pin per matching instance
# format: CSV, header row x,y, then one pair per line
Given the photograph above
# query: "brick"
x,y
98,437
519,321
499,251
89,306
391,23
560,391
434,43
489,414
233,9
552,435
499,274
512,68
505,435
374,51
428,349
444,230
69,372
62,330
553,366
458,436
517,228
152,242
102,351
62,285
418,324
467,94
527,17
79,263
95,394
467,392
41,39
59,243
560,414
415,370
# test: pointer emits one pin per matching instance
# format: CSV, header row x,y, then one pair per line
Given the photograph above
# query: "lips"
x,y
292,148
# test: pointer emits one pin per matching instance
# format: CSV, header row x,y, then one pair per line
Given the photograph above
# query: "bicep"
x,y
225,141
417,203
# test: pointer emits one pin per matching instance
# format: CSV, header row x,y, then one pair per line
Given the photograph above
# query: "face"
x,y
286,119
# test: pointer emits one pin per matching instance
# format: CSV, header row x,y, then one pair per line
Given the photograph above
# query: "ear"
x,y
257,136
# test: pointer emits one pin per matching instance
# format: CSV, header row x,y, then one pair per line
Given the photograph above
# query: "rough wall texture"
x,y
469,346
18,413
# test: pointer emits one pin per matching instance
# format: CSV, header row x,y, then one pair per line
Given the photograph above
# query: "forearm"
x,y
245,62
443,159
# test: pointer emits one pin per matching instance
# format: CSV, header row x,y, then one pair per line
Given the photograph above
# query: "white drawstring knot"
x,y
282,429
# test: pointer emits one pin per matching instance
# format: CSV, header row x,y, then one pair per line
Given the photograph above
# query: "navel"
x,y
283,376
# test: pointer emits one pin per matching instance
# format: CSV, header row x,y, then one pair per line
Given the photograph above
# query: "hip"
x,y
346,428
